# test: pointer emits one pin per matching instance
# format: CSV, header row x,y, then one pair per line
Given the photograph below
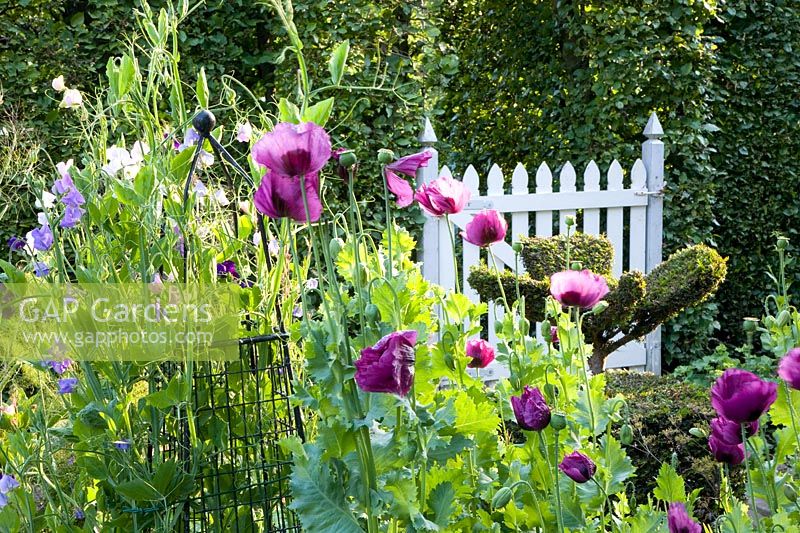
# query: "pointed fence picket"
x,y
636,241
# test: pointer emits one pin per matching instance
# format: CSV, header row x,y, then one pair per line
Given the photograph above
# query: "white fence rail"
x,y
535,208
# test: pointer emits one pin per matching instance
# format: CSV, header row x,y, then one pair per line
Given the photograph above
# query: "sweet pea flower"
x,y
531,410
732,454
227,268
388,366
72,215
408,166
741,396
730,432
59,367
122,445
789,368
679,521
79,514
281,197
41,238
274,247
58,84
578,467
578,288
15,244
40,269
443,196
485,228
481,352
63,167
221,198
67,385
8,483
244,133
293,150
72,99
47,201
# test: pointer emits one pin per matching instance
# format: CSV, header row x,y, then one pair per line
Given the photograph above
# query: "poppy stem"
x,y
582,355
559,516
389,226
453,247
753,508
499,280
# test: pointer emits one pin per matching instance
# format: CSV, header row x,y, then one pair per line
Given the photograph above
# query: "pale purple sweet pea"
x,y
443,196
274,247
42,238
388,366
40,269
8,483
486,228
244,133
297,312
15,244
575,288
679,521
73,198
481,353
293,150
62,185
312,284
63,167
281,197
741,396
531,409
789,368
67,385
72,215
59,367
72,98
578,467
408,166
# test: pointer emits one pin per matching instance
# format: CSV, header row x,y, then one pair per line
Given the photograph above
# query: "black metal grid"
x,y
244,408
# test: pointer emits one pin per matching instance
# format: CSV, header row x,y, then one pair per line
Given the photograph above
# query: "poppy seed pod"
x,y
385,156
558,421
348,159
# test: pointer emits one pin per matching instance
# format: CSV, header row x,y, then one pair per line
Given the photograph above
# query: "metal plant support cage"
x,y
243,406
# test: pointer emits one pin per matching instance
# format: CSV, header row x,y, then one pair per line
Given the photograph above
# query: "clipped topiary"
x,y
638,303
661,410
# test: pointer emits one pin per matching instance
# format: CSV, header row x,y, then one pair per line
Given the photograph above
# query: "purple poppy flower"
x,y
8,483
15,244
578,467
729,431
485,228
281,197
40,269
388,366
789,369
293,150
742,396
732,454
531,410
227,268
122,445
67,385
481,352
72,215
408,166
554,337
679,520
578,288
42,238
443,196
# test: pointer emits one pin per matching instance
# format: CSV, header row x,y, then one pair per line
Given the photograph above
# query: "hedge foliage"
x,y
504,81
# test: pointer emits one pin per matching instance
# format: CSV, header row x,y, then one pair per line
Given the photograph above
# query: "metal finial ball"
x,y
204,122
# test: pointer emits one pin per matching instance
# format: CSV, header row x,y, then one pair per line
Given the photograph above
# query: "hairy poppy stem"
x,y
750,481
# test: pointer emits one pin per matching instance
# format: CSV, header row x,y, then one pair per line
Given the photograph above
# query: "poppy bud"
x,y
372,313
769,321
551,391
576,265
569,221
558,421
626,434
502,497
783,318
348,159
517,247
385,156
498,325
204,122
599,307
790,493
335,247
545,329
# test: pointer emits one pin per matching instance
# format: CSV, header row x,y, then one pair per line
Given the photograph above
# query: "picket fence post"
x,y
430,230
653,158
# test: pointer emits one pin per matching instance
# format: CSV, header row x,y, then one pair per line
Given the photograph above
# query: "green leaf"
x,y
669,485
126,75
319,113
472,417
779,413
202,88
288,112
338,60
318,498
441,503
14,275
139,490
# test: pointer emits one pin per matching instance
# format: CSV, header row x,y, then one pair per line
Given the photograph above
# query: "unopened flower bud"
x,y
498,325
348,159
783,318
335,247
576,265
551,391
385,156
517,247
502,497
699,433
545,329
599,307
790,493
558,421
626,434
782,243
769,321
372,313
569,221
750,324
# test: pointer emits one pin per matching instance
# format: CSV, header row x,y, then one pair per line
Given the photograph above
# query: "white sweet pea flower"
x,y
47,201
129,171
72,98
257,238
220,198
139,150
58,84
206,159
200,189
244,133
63,168
41,218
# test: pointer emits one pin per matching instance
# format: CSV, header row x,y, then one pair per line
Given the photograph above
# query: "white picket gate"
x,y
637,248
